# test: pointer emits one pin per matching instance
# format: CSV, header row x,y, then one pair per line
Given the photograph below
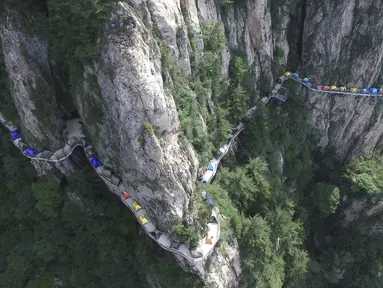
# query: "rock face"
x,y
27,65
26,60
137,128
132,119
345,50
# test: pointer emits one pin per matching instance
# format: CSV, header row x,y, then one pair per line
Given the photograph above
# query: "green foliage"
x,y
326,197
47,196
248,184
201,205
74,30
24,51
46,236
349,255
93,100
187,234
225,204
263,268
141,140
358,258
278,52
191,96
212,36
270,130
269,236
95,113
272,236
92,82
237,100
364,175
149,129
207,102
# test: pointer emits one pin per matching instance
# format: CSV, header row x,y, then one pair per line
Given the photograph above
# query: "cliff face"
x,y
342,44
137,128
132,119
333,43
32,90
26,60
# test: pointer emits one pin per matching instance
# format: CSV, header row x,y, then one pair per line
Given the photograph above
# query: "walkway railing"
x,y
75,138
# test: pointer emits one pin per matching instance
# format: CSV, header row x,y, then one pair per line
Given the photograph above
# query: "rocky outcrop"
x,y
334,43
132,119
342,44
26,60
137,127
32,90
224,267
133,122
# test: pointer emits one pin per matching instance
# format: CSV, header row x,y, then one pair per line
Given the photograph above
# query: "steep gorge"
x,y
127,100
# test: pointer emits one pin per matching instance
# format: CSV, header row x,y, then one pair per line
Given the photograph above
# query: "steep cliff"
x,y
32,88
26,60
130,118
342,45
136,122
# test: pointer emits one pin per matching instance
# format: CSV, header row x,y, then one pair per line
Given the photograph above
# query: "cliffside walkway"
x,y
75,137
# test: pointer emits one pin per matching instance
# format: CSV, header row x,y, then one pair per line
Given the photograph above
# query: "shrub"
x,y
187,234
149,129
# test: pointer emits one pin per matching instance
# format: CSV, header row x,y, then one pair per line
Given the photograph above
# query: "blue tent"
x,y
296,75
211,167
31,152
373,91
210,199
15,135
364,91
95,162
305,80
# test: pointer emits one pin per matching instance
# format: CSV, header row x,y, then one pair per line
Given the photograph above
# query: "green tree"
x,y
262,267
326,197
241,186
48,197
363,175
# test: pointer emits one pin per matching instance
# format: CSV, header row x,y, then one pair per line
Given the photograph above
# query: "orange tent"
x,y
209,240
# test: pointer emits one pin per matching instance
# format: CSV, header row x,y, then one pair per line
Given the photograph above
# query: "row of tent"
x,y
127,198
305,80
30,152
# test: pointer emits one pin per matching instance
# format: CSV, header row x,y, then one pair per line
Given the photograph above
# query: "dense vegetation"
x,y
347,252
73,231
284,201
278,211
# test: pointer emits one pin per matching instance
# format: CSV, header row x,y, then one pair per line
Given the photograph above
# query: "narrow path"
x,y
75,137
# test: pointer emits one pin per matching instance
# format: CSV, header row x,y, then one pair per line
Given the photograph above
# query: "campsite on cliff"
x,y
191,144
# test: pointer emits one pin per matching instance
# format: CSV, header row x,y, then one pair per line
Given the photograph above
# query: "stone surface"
x,y
26,61
133,123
